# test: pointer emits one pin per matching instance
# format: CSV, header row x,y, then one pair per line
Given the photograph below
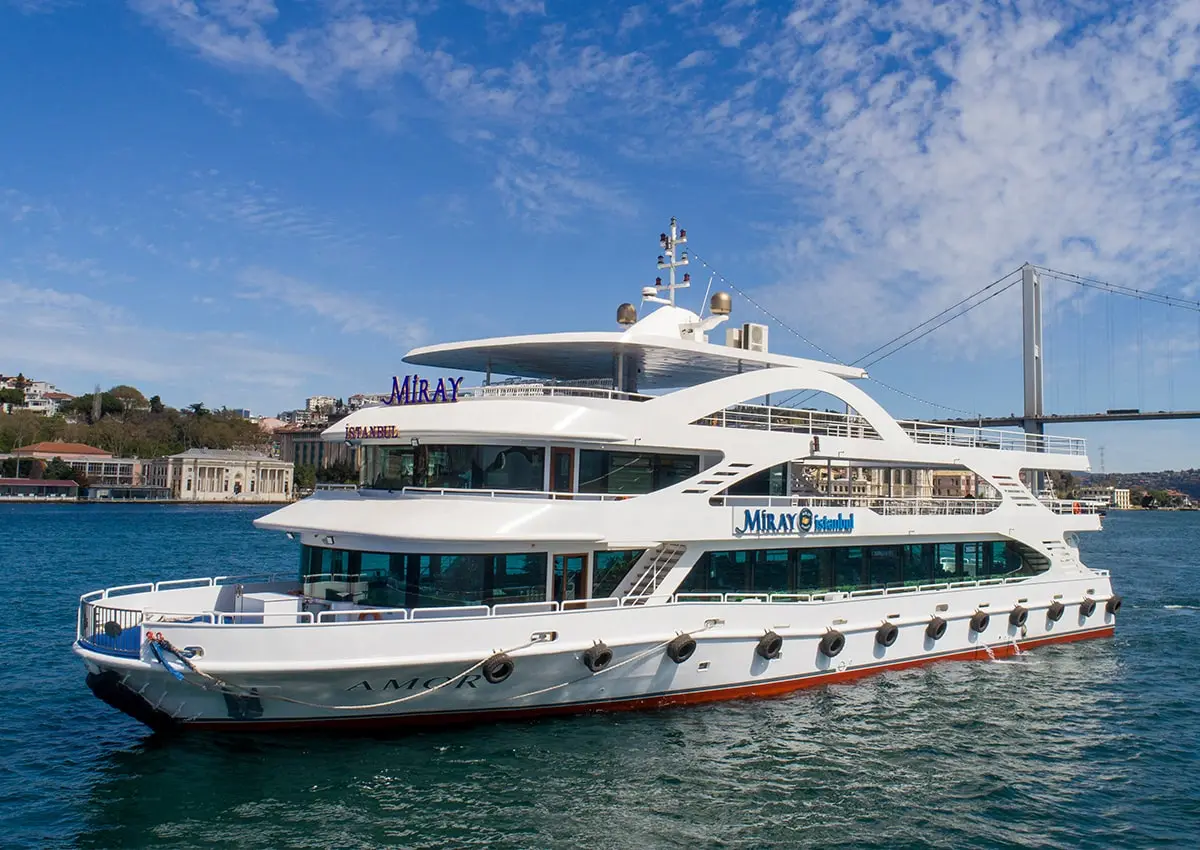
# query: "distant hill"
x,y
1183,480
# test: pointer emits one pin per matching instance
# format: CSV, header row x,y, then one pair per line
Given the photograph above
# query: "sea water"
x,y
1091,744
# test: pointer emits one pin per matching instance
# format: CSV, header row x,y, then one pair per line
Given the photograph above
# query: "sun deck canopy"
x,y
661,362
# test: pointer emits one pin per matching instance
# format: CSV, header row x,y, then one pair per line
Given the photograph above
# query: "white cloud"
x,y
348,311
236,34
73,340
547,187
511,8
695,59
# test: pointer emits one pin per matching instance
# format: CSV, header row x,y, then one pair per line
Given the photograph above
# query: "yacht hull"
x,y
433,675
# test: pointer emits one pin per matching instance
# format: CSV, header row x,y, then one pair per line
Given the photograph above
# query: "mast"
x,y
668,260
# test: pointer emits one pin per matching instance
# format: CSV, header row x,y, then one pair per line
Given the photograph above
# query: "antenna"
x,y
96,407
1102,460
667,260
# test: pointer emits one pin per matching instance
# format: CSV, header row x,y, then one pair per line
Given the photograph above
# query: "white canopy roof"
x,y
662,360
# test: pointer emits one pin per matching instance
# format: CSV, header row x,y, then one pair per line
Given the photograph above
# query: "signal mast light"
x,y
658,281
687,278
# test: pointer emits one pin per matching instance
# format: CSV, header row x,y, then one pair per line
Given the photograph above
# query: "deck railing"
x,y
93,618
556,390
819,423
885,505
512,494
930,433
1067,506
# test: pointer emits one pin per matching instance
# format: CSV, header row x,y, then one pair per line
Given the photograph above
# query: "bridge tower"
x,y
1031,311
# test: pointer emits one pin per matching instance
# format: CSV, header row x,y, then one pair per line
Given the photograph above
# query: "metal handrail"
x,y
932,433
90,614
534,389
513,494
1074,506
885,505
792,420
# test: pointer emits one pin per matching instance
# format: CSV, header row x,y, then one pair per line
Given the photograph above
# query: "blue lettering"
x,y
424,393
769,528
455,383
751,524
439,390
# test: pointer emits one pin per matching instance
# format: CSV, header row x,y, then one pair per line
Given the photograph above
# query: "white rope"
x,y
225,687
629,660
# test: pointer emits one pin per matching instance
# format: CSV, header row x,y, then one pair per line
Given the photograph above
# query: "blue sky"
x,y
247,202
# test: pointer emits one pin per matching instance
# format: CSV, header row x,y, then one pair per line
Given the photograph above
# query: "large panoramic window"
x,y
457,467
608,568
632,473
421,580
819,569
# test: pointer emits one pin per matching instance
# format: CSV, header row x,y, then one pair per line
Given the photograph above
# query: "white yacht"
x,y
626,522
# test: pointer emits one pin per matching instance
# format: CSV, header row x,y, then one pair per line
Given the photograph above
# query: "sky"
x,y
247,202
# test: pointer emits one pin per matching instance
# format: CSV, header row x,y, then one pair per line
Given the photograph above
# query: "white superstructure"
x,y
567,541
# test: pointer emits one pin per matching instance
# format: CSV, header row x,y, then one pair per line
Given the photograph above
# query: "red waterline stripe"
x,y
765,689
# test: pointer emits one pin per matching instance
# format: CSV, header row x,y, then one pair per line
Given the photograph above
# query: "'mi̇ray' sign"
x,y
767,522
417,390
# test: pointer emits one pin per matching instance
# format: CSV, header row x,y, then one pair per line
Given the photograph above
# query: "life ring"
x,y
1076,509
832,643
936,629
1055,611
770,646
886,634
369,615
1087,606
681,648
1113,605
498,668
1018,616
597,657
980,621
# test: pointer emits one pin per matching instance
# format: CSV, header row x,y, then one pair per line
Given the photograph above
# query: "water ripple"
x,y
1077,746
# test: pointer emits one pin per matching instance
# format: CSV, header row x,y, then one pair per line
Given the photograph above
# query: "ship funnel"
x,y
720,304
626,315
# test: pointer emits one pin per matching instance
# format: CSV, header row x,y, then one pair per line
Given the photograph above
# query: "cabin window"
x,y
848,568
608,568
422,580
633,473
465,467
771,481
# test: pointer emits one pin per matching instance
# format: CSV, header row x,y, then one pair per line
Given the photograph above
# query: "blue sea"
x,y
1082,745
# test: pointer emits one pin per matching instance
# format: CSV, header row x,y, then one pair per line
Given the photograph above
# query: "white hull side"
x,y
393,673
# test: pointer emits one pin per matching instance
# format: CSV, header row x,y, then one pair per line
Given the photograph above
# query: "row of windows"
x,y
456,467
429,580
633,473
410,580
857,567
480,467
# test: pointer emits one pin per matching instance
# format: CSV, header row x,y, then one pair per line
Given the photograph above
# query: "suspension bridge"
x,y
1034,417
1032,279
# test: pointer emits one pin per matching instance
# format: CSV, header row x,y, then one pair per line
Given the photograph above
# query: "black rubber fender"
x,y
1087,606
886,634
1017,616
597,657
498,668
936,630
770,646
980,621
1113,605
681,649
1055,611
832,643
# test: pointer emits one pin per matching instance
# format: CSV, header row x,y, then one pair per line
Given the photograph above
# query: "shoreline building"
x,y
100,467
38,490
220,475
305,447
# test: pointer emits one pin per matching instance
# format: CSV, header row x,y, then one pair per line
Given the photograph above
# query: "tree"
x,y
131,398
156,405
13,397
198,409
304,477
342,472
82,405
